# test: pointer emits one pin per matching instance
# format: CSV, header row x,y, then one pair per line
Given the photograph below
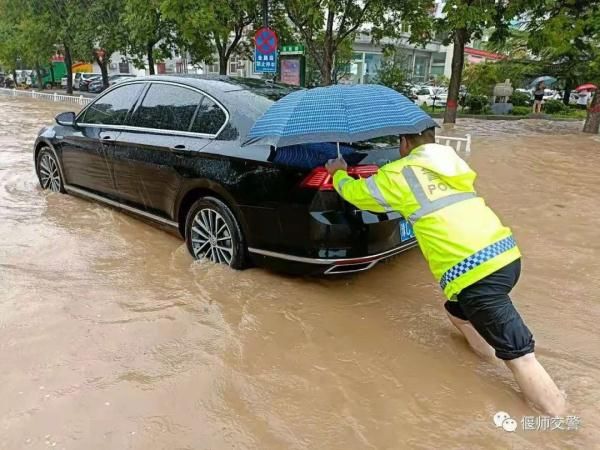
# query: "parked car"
x,y
551,94
168,149
429,95
85,82
23,76
83,76
8,82
573,97
97,85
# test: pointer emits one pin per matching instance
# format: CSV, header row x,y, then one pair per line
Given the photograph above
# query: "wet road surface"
x,y
111,337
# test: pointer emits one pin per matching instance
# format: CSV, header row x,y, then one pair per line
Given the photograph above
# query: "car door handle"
x,y
107,138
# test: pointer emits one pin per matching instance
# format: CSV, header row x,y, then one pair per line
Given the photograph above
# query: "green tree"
x,y
393,72
566,35
68,26
27,36
325,26
205,27
463,21
481,78
514,46
37,38
150,36
101,32
10,48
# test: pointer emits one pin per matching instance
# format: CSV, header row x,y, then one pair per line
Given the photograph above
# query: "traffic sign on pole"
x,y
265,51
296,49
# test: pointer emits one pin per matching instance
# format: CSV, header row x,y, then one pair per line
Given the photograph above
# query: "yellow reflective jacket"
x,y
461,238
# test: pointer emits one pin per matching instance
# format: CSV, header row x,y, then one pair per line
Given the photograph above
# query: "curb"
x,y
509,117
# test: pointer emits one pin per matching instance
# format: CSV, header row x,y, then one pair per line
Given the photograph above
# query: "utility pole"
x,y
266,13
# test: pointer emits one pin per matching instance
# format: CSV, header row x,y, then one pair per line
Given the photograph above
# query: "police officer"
x,y
472,255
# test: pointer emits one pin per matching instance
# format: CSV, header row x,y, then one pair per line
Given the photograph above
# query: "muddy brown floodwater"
x,y
111,337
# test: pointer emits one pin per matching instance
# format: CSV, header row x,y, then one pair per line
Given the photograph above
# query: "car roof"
x,y
217,84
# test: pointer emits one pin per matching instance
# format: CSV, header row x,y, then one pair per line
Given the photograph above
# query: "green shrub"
x,y
477,103
520,99
573,113
555,107
520,110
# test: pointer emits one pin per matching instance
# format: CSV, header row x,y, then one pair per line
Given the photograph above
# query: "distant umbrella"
x,y
548,81
586,87
340,113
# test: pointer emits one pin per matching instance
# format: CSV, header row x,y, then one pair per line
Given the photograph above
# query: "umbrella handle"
x,y
338,151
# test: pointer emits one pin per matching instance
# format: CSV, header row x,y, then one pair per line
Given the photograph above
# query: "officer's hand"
x,y
333,165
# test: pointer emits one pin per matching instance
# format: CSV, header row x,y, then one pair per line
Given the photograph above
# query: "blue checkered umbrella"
x,y
340,113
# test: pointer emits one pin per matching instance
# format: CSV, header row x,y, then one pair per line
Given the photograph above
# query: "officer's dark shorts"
x,y
488,307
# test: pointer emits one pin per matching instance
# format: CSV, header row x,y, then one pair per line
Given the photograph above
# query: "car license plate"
x,y
406,231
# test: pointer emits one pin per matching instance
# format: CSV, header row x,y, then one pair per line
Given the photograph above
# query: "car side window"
x,y
167,107
112,108
210,118
423,91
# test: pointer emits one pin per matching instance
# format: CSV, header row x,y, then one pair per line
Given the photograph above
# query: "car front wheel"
x,y
48,171
212,232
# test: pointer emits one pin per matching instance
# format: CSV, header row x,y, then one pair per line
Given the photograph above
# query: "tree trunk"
x,y
458,57
150,52
327,66
223,61
103,69
326,69
14,74
38,75
567,94
592,121
69,67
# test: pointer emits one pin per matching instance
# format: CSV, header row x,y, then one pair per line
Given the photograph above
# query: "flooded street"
x,y
111,337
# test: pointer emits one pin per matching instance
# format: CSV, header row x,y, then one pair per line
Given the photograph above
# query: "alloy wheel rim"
x,y
49,175
211,237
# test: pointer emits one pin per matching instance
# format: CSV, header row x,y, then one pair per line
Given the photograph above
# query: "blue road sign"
x,y
265,51
265,63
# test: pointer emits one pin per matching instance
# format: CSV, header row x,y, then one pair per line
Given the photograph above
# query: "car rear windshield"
x,y
264,88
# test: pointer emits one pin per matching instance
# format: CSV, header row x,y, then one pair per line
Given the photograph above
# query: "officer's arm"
x,y
362,193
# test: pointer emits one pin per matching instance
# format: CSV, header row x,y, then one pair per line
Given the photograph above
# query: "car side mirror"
x,y
66,119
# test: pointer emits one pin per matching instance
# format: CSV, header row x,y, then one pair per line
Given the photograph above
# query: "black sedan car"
x,y
84,84
168,150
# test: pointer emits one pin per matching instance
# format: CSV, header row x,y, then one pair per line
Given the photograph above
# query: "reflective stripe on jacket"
x,y
461,238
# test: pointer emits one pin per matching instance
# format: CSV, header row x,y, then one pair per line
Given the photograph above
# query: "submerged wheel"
x,y
212,232
48,172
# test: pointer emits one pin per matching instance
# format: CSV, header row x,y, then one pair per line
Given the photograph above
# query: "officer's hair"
x,y
424,137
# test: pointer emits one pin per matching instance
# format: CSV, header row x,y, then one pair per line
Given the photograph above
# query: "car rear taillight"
x,y
320,179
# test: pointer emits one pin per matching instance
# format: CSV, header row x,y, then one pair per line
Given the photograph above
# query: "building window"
x,y
372,65
439,58
421,68
405,27
123,67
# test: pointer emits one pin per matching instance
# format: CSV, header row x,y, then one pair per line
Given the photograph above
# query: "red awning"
x,y
483,53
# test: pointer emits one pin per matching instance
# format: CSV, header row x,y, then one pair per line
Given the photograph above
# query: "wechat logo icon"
x,y
503,420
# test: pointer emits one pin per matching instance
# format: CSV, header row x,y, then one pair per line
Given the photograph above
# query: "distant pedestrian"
x,y
538,97
582,101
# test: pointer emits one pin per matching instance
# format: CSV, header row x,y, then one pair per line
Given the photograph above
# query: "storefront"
x,y
421,63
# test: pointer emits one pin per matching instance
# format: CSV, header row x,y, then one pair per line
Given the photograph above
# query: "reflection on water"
x,y
111,337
